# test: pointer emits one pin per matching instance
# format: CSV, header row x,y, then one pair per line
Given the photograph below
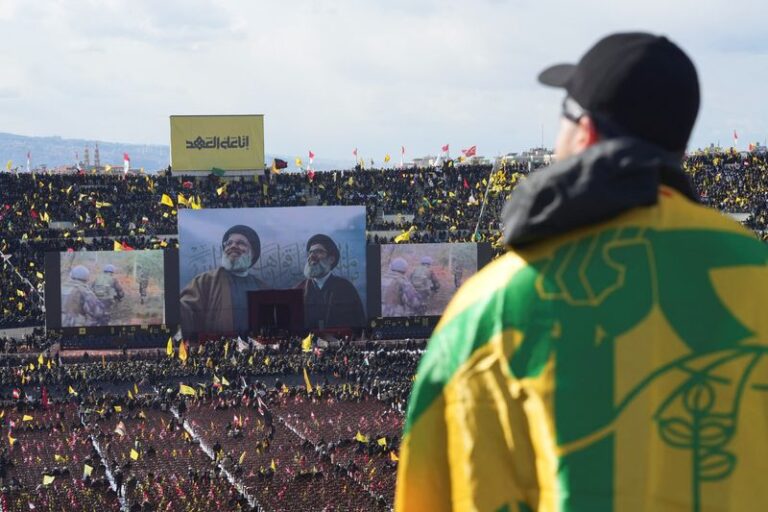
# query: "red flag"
x,y
311,156
472,151
33,214
311,174
466,183
354,151
16,394
126,157
445,148
125,246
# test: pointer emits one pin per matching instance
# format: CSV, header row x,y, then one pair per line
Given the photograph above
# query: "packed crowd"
x,y
42,213
274,426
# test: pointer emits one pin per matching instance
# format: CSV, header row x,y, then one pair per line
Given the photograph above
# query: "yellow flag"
x,y
307,382
224,381
39,275
134,454
166,200
221,190
118,408
20,293
403,237
267,360
130,395
181,199
306,343
117,246
241,459
272,465
11,440
135,389
27,417
387,158
169,347
382,441
72,391
299,163
360,437
107,168
40,359
48,479
58,458
87,470
393,457
183,351
9,165
187,390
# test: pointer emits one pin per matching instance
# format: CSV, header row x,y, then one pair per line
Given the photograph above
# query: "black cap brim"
x,y
558,75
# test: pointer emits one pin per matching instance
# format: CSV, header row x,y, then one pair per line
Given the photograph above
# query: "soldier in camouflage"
x,y
79,305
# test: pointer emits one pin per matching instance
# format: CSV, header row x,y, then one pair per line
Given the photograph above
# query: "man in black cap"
x,y
329,300
582,370
216,301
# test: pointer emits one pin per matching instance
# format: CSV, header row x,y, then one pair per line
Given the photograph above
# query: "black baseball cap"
x,y
640,83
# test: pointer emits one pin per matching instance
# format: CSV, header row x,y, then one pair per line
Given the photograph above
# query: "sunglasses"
x,y
572,111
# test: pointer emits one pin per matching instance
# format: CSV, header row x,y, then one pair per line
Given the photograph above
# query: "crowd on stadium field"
x,y
45,212
277,427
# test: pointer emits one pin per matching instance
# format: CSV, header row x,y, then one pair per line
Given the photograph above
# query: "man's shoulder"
x,y
206,277
342,285
339,282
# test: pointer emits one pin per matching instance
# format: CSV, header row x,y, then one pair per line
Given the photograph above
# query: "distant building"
x,y
534,156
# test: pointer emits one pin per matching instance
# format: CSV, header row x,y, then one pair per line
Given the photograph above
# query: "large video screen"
x,y
226,253
420,279
105,288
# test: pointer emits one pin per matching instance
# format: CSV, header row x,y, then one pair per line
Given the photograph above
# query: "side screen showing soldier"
x,y
112,288
420,279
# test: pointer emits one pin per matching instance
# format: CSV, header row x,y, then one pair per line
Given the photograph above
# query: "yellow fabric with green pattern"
x,y
621,367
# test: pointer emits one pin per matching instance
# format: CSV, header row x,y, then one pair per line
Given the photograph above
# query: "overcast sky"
x,y
331,75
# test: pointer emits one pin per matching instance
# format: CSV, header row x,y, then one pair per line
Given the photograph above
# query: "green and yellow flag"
x,y
307,382
183,351
405,236
619,367
187,390
306,343
166,200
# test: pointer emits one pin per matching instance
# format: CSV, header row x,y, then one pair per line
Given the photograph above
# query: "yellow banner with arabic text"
x,y
229,143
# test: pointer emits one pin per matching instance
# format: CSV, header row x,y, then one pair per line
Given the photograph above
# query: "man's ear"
x,y
588,134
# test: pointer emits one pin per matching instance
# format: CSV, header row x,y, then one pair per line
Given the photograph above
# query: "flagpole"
x,y
494,168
